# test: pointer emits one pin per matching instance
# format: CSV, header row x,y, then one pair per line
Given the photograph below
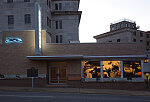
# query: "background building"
x,y
60,18
125,31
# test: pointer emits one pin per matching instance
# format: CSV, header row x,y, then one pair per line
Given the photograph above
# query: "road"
x,y
67,97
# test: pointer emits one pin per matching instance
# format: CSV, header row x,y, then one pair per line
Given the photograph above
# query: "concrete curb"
x,y
76,90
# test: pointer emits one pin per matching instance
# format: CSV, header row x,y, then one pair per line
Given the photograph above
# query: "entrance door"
x,y
58,75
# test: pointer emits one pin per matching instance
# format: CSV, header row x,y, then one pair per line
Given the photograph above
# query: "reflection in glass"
x,y
131,69
91,69
111,69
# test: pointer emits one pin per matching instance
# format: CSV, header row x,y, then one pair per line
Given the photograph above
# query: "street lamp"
x,y
147,79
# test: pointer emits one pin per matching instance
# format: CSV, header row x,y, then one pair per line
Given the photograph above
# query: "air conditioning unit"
x,y
74,42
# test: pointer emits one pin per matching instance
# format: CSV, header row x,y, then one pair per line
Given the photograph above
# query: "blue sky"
x,y
98,14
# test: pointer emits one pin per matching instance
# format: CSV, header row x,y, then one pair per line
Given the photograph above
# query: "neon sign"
x,y
13,40
38,29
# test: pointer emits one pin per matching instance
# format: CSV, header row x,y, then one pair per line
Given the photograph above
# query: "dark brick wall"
x,y
23,82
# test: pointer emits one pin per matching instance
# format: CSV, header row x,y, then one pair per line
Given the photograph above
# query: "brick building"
x,y
90,65
73,65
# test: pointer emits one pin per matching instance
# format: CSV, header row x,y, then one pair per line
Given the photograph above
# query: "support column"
x,y
101,65
47,74
142,66
121,66
81,72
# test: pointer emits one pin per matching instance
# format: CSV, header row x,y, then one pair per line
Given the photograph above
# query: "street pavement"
x,y
76,90
67,97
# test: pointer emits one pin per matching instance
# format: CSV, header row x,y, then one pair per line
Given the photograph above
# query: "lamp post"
x,y
147,79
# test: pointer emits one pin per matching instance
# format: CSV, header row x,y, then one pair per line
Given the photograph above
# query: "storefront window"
x,y
131,69
91,69
111,69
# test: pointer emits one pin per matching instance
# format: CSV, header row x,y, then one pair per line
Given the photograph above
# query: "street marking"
x,y
7,95
25,96
36,96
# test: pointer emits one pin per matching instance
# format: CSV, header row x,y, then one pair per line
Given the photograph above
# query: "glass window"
x,y
27,18
111,69
91,69
9,1
48,22
11,19
141,34
146,60
147,42
131,69
118,40
26,0
47,2
58,6
134,33
141,41
59,24
61,39
147,35
57,39
134,40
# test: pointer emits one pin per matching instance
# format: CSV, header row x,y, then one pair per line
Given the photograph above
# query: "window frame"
x,y
10,1
10,19
26,0
27,18
59,24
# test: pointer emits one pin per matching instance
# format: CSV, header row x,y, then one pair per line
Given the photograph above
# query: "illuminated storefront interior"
x,y
132,69
91,69
111,69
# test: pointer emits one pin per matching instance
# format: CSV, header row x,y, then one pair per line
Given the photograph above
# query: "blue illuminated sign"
x,y
13,40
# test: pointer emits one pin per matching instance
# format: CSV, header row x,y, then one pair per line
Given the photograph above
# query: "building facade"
x,y
60,18
26,45
125,31
73,65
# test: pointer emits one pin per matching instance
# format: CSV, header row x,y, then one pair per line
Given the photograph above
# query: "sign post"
x,y
32,82
32,72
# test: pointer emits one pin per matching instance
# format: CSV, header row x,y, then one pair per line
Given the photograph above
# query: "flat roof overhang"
x,y
81,57
56,58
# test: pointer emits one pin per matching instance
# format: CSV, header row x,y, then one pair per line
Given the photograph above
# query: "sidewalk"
x,y
76,90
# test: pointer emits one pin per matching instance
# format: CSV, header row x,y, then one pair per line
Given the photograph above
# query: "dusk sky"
x,y
98,14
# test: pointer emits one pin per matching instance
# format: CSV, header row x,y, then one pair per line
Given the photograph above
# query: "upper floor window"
x,y
59,24
26,0
134,40
49,4
141,34
11,19
58,6
27,18
48,22
147,35
118,40
9,1
134,33
147,43
141,41
59,39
